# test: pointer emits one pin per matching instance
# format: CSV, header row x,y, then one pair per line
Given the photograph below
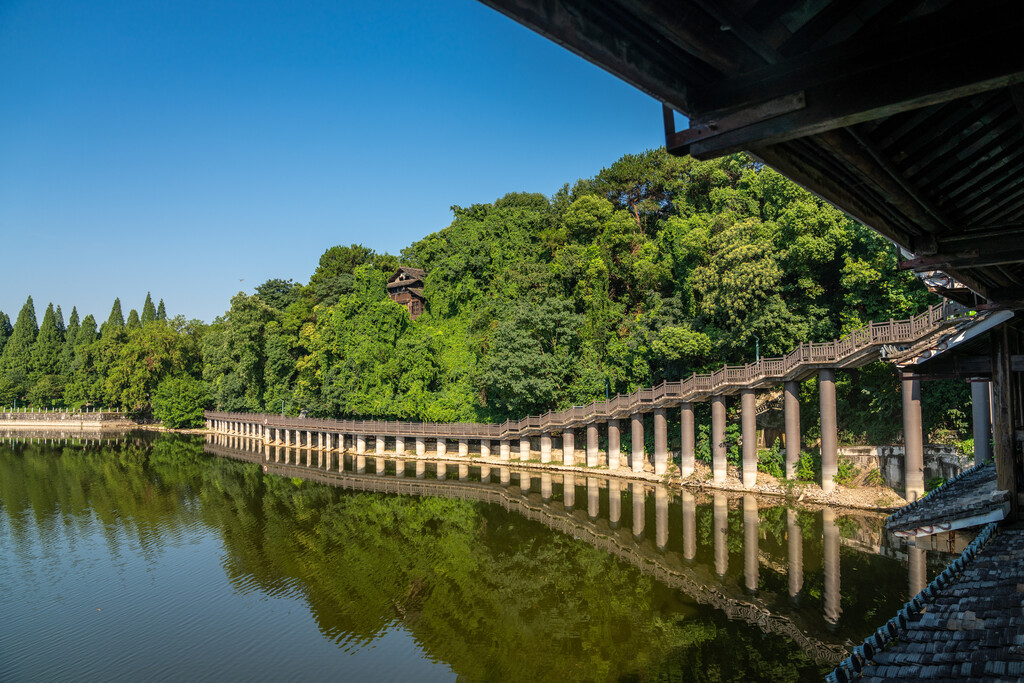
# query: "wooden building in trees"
x,y
406,288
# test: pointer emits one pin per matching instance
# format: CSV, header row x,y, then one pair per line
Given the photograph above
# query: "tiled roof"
x,y
969,499
967,624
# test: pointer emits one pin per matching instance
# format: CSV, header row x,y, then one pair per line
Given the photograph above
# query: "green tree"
x,y
16,360
179,402
67,352
5,330
161,312
148,310
115,321
133,320
46,352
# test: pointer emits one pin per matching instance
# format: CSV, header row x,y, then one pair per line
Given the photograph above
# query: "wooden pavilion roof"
x,y
909,116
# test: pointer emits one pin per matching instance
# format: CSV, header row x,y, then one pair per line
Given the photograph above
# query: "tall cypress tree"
x,y
148,310
5,330
133,320
115,321
46,350
67,353
60,323
161,312
87,332
17,356
83,385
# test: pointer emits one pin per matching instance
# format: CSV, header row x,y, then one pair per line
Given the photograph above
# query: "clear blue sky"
x,y
196,149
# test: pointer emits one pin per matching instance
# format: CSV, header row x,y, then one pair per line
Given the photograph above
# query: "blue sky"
x,y
196,149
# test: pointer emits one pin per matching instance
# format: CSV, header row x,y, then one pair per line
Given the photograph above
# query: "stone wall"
x,y
64,420
939,461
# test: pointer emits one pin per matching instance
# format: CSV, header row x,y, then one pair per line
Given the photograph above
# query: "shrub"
x,y
934,483
179,402
808,467
846,472
771,461
874,478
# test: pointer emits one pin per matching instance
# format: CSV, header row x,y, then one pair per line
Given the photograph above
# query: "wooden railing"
x,y
801,360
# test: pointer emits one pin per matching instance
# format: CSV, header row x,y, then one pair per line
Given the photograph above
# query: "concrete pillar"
x,y
639,510
504,449
442,446
982,413
687,441
524,448
569,491
718,461
829,428
421,446
721,521
913,439
309,439
504,476
791,392
568,447
833,608
748,422
379,445
593,455
750,535
360,444
636,460
614,444
689,526
795,540
545,447
524,482
463,448
421,469
485,448
593,498
917,569
660,441
400,445
614,503
661,517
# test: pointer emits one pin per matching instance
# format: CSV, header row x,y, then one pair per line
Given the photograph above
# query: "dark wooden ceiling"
x,y
907,115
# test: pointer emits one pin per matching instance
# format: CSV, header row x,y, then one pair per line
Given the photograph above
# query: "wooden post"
x,y
1003,440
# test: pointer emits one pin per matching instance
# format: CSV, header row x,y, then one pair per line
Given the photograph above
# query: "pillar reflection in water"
x,y
689,526
750,538
524,482
485,474
831,534
399,468
421,469
505,475
378,466
639,510
569,491
614,503
463,472
721,520
593,498
917,568
795,539
360,464
661,517
545,487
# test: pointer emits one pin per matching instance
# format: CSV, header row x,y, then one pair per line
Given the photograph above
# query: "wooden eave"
x,y
908,116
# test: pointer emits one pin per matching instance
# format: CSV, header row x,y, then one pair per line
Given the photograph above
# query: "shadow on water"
x,y
497,572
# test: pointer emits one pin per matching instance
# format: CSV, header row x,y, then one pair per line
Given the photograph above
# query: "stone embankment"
x,y
65,420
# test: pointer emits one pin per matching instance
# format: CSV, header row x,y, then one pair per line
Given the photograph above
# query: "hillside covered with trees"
x,y
654,268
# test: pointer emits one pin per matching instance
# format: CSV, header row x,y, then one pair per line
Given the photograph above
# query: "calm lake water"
x,y
170,558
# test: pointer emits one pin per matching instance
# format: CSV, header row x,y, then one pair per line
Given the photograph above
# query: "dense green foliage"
x,y
655,268
179,402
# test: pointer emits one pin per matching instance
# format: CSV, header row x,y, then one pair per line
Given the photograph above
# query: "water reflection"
x,y
694,580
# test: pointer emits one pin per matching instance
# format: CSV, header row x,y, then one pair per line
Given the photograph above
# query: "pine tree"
x,y
115,321
46,351
67,353
83,386
60,323
5,330
133,320
17,356
148,310
161,312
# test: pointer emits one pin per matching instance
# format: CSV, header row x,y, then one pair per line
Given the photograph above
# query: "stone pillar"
x,y
833,608
463,448
504,449
689,526
982,417
568,447
614,444
750,534
593,455
829,428
721,521
421,446
614,503
748,422
718,461
593,498
485,448
569,491
545,447
360,444
913,439
636,460
379,445
795,539
661,517
524,448
917,568
400,445
442,446
791,391
639,510
660,441
687,441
